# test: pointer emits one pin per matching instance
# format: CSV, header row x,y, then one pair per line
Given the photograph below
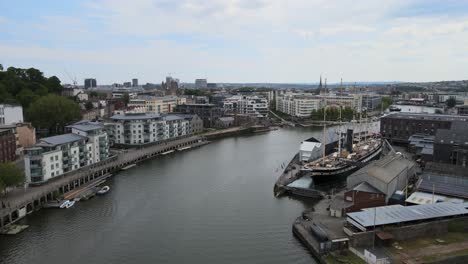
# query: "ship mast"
x,y
323,136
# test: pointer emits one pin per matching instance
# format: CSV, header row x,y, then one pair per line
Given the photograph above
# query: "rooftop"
x,y
387,168
392,215
86,125
136,116
422,116
366,187
60,139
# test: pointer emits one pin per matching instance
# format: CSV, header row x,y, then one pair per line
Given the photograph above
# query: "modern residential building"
x,y
97,138
371,102
298,105
209,113
249,105
352,101
196,123
159,105
134,82
10,114
54,156
201,84
90,83
146,128
398,127
7,145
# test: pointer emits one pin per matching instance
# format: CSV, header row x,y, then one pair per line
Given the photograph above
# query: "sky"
x,y
274,41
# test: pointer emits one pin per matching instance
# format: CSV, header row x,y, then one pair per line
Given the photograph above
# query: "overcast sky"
x,y
238,40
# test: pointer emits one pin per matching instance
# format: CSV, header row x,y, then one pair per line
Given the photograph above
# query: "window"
x,y
51,158
52,166
52,174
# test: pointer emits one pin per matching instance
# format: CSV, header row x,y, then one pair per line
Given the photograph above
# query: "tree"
x,y
10,175
438,111
451,102
89,105
386,102
126,98
53,112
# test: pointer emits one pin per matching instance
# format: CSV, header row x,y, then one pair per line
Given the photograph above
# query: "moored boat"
x,y
103,190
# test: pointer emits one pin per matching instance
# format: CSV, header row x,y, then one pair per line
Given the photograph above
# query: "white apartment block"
x,y
248,105
299,105
145,128
54,156
302,105
10,114
353,101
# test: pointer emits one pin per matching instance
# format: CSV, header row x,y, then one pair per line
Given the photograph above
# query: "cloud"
x,y
244,40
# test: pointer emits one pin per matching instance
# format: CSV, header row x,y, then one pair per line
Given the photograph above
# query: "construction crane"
x,y
69,76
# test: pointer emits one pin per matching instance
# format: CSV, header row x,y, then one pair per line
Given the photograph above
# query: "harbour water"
x,y
214,204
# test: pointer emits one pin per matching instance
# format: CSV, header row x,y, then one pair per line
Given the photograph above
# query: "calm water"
x,y
214,204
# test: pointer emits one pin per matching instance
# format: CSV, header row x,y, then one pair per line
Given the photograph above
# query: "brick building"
x,y
7,145
398,127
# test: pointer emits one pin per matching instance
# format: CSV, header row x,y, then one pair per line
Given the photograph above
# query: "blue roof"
x,y
60,139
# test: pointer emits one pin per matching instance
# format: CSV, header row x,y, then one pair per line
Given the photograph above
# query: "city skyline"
x,y
238,41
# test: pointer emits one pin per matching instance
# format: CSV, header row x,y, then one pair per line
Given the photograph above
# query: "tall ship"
x,y
358,150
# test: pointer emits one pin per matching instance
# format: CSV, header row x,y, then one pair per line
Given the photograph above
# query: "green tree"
x,y
53,112
451,102
126,98
89,105
10,175
385,102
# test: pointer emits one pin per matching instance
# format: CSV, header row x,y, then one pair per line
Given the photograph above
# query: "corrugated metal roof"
x,y
445,188
391,215
386,169
60,139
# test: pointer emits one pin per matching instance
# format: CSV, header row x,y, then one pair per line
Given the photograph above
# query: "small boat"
x,y
103,190
64,204
70,204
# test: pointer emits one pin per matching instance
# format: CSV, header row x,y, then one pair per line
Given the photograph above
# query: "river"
x,y
213,204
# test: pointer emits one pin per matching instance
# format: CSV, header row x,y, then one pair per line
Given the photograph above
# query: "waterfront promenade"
x,y
20,201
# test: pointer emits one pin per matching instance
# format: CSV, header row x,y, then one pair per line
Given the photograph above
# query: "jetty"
x,y
23,201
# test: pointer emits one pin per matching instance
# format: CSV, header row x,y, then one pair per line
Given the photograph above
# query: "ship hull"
x,y
321,176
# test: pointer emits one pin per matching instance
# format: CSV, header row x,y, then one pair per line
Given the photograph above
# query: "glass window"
x,y
52,166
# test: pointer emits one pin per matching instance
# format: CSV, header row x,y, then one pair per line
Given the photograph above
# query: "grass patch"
x,y
438,257
347,257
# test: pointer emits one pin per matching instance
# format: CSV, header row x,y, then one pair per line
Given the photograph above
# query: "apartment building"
x,y
10,114
353,101
7,145
298,105
54,156
146,128
159,105
249,105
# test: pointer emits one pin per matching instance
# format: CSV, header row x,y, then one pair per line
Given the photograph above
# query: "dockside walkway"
x,y
19,202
